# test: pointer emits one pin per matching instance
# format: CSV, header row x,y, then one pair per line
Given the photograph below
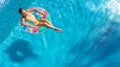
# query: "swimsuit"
x,y
31,17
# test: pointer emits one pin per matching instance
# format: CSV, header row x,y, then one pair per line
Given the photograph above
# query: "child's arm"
x,y
35,9
24,24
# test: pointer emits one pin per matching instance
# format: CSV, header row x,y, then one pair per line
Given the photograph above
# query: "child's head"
x,y
22,11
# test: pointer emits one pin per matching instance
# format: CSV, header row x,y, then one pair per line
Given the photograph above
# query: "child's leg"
x,y
44,20
49,24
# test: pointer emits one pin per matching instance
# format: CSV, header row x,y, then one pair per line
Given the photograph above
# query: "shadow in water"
x,y
20,50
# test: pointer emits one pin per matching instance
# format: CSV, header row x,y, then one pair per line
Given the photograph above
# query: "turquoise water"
x,y
90,36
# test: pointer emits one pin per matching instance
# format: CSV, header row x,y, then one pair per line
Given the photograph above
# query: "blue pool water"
x,y
90,37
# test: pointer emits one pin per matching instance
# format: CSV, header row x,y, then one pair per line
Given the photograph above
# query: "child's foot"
x,y
58,30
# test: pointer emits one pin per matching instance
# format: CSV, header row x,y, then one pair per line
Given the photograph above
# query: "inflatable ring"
x,y
38,29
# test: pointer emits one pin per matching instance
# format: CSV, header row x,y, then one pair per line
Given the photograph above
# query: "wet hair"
x,y
20,10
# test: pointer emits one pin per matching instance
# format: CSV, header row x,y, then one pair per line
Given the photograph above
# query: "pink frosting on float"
x,y
35,29
45,14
